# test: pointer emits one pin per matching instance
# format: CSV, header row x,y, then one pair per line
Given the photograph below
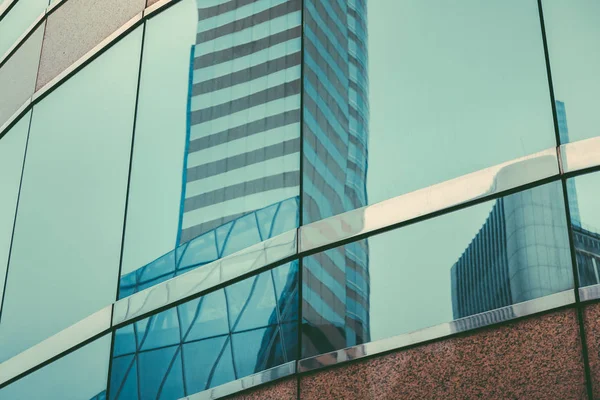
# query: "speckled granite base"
x,y
76,27
537,358
285,389
592,333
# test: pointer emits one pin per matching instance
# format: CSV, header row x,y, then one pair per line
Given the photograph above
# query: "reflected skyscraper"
x,y
335,161
241,172
520,253
523,229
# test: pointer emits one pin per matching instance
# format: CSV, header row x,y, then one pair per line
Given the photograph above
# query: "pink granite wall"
x,y
285,389
592,333
536,358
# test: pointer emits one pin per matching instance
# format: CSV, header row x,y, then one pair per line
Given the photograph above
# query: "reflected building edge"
x,y
521,253
336,284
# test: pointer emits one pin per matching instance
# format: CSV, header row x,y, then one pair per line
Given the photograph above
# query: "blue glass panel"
x,y
265,220
223,233
257,350
224,371
201,250
286,218
251,302
200,359
100,396
123,379
243,234
286,287
154,366
208,316
159,267
202,327
163,330
125,341
172,386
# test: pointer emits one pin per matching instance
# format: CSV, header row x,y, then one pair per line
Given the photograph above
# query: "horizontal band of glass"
x,y
69,338
284,247
580,155
87,58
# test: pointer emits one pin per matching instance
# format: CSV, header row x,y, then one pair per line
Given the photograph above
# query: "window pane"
x,y
80,375
155,188
20,17
217,146
488,256
12,150
65,255
448,90
18,74
233,332
573,34
585,223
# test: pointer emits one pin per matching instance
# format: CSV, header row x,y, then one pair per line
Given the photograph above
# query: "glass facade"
x,y
233,332
249,189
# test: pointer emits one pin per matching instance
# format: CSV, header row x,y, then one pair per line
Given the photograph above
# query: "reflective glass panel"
x,y
435,90
20,17
585,224
66,248
12,151
80,375
233,332
156,172
18,74
217,148
485,257
573,34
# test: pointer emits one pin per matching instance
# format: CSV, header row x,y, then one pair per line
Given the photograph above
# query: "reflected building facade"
x,y
336,286
521,252
241,185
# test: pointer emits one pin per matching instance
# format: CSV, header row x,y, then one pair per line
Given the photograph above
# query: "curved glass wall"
x,y
252,118
68,229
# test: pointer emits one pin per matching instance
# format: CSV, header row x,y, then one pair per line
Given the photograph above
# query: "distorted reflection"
x,y
234,126
233,332
489,256
585,224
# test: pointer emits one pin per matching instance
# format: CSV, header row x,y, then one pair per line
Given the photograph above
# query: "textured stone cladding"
x,y
536,358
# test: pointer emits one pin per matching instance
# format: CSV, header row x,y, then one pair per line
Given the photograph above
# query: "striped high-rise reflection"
x,y
335,161
243,150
